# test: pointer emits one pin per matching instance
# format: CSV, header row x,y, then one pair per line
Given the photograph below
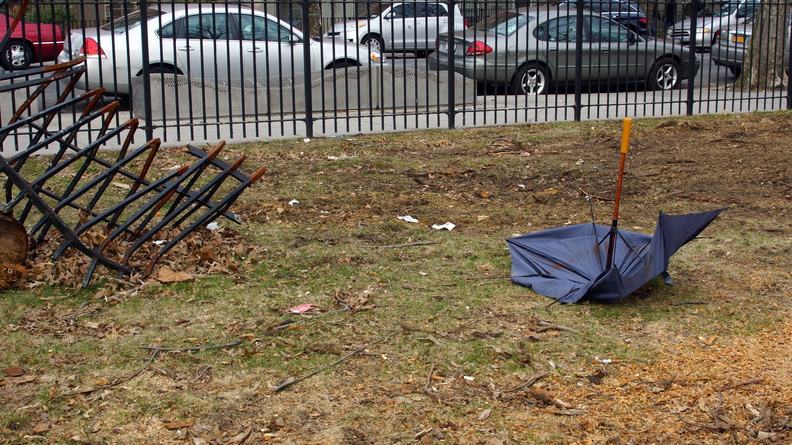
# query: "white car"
x,y
711,18
215,42
400,26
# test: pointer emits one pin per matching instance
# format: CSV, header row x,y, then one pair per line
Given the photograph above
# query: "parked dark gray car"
x,y
531,49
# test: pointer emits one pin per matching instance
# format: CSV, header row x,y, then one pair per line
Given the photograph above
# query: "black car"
x,y
627,12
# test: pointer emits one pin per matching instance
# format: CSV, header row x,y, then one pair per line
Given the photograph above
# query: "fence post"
x,y
692,59
578,61
451,71
306,19
789,65
148,125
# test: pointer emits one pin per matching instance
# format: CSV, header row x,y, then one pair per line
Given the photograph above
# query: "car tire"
x,y
16,55
374,43
736,70
531,79
666,74
339,64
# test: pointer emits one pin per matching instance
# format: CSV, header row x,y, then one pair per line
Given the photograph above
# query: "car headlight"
x,y
355,26
377,57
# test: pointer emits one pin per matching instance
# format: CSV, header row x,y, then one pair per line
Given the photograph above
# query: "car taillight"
x,y
467,23
478,49
643,20
91,48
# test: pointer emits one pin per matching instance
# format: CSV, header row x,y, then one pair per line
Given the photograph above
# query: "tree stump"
x,y
13,240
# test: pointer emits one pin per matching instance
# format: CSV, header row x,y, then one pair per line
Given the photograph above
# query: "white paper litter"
x,y
293,201
213,226
408,218
447,226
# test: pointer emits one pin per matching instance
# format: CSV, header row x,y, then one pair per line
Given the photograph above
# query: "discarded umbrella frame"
x,y
73,196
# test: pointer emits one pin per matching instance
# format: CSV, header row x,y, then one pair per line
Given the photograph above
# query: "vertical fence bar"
x,y
148,125
692,61
306,19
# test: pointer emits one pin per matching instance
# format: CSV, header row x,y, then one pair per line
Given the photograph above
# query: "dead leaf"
x,y
41,427
239,438
18,380
166,275
178,424
484,415
15,371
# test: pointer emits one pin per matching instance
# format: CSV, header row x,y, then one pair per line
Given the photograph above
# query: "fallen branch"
x,y
288,382
420,243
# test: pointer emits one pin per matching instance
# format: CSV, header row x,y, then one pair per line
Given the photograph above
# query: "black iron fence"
x,y
251,70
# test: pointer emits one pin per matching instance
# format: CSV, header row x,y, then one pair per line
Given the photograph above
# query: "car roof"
x,y
189,7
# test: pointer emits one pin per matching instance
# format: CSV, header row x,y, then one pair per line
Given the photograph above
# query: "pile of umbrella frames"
x,y
98,200
600,263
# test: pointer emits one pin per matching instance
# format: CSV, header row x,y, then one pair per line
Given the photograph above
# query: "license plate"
x,y
738,38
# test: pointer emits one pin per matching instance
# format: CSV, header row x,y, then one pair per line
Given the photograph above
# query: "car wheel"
x,y
665,75
736,70
338,64
374,43
16,55
531,79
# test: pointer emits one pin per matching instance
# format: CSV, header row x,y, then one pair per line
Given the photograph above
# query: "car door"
x,y
557,41
618,53
398,27
206,48
436,23
270,49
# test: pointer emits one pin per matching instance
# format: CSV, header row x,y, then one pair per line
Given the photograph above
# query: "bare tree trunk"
x,y
763,66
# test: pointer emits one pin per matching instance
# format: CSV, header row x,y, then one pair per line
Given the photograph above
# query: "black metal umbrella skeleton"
x,y
596,262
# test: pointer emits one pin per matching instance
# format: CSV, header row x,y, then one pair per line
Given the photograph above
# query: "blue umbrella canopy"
x,y
570,263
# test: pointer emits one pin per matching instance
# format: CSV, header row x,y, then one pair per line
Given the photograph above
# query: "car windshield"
x,y
503,24
373,12
129,21
721,9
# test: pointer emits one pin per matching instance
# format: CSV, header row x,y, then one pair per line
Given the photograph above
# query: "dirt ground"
x,y
724,386
721,388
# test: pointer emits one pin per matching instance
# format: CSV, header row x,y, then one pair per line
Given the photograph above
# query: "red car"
x,y
29,42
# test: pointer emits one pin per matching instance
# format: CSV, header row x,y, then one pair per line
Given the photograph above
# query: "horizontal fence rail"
x,y
240,71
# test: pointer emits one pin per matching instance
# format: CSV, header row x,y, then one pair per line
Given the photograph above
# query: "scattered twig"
x,y
154,353
203,372
288,382
545,326
286,325
751,382
688,302
419,243
193,348
429,379
527,383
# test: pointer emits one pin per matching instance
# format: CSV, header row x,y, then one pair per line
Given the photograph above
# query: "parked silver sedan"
x,y
531,49
216,42
731,44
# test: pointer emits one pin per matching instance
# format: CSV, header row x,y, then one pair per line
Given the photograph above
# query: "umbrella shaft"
x,y
611,244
